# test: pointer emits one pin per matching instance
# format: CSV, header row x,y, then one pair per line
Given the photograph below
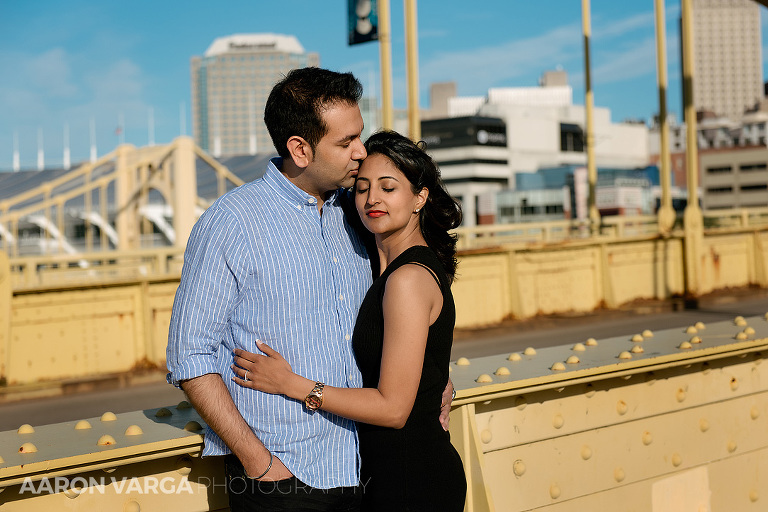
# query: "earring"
x,y
417,210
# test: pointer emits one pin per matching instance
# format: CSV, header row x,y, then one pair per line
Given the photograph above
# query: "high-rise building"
x,y
728,62
230,86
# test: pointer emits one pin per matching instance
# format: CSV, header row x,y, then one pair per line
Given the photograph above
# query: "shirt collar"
x,y
286,189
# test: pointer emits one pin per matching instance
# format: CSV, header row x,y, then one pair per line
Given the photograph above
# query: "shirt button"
x,y
298,207
341,297
346,337
335,260
311,200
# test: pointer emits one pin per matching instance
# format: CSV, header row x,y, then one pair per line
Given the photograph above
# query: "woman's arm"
x,y
412,302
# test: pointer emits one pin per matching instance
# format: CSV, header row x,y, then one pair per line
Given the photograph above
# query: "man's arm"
x,y
212,400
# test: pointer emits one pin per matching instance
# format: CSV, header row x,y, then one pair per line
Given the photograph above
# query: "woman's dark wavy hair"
x,y
296,103
441,213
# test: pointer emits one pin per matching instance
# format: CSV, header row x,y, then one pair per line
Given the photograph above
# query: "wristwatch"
x,y
314,399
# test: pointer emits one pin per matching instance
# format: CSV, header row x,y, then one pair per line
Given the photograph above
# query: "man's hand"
x,y
445,408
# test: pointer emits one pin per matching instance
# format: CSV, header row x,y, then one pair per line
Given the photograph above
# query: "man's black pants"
x,y
248,495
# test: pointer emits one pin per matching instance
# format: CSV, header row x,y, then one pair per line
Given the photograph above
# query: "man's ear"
x,y
300,152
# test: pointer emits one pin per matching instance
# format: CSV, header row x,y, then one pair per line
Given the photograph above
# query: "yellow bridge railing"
x,y
666,421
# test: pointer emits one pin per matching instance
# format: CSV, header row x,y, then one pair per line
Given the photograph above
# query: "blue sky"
x,y
66,62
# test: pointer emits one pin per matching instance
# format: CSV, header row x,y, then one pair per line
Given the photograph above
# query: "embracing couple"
x,y
313,324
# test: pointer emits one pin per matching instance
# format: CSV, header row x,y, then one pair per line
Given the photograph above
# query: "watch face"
x,y
313,402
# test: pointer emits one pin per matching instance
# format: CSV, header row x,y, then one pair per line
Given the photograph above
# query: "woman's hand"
x,y
269,373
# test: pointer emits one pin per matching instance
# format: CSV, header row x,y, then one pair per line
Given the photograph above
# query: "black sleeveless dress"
x,y
414,468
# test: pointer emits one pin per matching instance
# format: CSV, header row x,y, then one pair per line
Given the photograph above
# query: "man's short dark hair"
x,y
296,103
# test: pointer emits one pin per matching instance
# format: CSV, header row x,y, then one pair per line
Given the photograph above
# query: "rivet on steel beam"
x,y
530,351
514,356
637,349
622,407
685,345
754,495
739,320
626,377
591,342
700,326
647,333
108,470
579,347
695,339
134,430
486,436
706,369
557,367
734,383
637,338
184,465
183,405
681,394
132,506
163,412
754,412
558,421
502,370
74,492
589,390
82,425
28,448
520,402
26,429
732,446
106,440
625,355
519,467
108,416
740,336
193,426
573,360
462,361
586,452
484,379
619,475
676,459
703,425
691,330
554,491
647,438
749,331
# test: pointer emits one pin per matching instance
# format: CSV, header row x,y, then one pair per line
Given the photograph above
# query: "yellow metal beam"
x,y
385,57
412,68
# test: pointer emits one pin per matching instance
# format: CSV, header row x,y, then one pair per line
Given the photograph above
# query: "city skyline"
x,y
80,61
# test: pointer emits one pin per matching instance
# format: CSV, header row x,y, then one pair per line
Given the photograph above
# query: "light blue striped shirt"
x,y
262,263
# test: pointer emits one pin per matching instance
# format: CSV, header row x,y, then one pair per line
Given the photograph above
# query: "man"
x,y
276,260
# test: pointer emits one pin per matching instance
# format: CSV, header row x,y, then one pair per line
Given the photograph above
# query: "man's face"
x,y
337,156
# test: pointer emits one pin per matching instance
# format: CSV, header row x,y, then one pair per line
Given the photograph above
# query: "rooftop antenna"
x,y
16,159
40,151
67,162
93,140
151,127
120,131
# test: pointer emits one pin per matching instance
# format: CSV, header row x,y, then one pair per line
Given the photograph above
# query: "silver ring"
x,y
245,377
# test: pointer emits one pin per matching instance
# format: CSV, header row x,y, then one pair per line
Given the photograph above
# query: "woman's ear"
x,y
421,198
300,152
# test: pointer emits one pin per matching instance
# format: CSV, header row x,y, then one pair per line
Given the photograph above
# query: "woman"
x,y
402,337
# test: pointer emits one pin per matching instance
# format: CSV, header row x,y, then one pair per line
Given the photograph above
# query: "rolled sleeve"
x,y
215,268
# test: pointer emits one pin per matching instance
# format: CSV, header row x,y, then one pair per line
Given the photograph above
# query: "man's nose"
x,y
359,152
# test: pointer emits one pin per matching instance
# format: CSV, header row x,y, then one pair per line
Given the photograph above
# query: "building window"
x,y
753,167
720,190
752,188
571,138
718,170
